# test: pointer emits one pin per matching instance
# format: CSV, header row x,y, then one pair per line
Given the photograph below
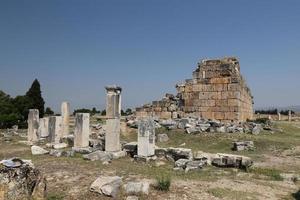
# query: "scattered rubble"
x,y
19,179
195,126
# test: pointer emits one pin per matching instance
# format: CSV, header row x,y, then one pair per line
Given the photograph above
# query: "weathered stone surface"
x,y
162,137
20,180
43,130
55,129
82,130
33,125
146,137
206,158
83,150
36,150
65,113
99,155
61,153
130,148
112,136
106,185
137,187
118,154
256,130
243,145
181,163
229,160
113,101
217,91
180,153
60,146
132,198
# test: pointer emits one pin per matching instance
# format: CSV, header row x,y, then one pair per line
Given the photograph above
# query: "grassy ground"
x,y
70,178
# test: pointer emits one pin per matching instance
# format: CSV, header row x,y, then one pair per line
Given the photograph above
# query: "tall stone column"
x,y
279,116
43,131
290,116
55,129
82,130
65,113
113,114
146,137
33,125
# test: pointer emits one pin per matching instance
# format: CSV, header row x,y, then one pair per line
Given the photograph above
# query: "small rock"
x,y
162,138
60,146
140,187
119,154
132,198
36,150
99,155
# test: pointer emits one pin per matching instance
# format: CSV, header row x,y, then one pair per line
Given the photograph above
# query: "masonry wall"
x,y
216,91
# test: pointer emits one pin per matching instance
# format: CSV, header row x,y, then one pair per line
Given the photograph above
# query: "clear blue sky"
x,y
76,47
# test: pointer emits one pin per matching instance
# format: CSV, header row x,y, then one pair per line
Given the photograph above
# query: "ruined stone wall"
x,y
165,108
216,91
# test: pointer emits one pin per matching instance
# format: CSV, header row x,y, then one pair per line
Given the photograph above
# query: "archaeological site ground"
x,y
149,100
203,143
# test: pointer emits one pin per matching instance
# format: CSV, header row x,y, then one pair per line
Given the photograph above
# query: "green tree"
x,y
48,111
23,104
103,112
35,96
128,111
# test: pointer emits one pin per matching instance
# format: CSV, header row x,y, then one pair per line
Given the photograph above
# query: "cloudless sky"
x,y
76,47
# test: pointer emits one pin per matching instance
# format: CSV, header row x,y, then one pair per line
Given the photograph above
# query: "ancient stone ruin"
x,y
216,91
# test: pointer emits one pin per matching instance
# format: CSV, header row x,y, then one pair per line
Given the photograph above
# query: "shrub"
x,y
163,182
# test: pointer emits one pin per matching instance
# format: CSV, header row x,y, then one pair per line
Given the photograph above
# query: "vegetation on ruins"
x,y
49,111
163,182
14,111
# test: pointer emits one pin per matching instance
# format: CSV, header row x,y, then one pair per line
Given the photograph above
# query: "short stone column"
x,y
290,116
33,125
43,131
113,114
113,101
82,130
279,116
146,137
55,129
65,113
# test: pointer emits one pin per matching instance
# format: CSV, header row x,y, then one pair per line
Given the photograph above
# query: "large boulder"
x,y
19,179
107,185
36,150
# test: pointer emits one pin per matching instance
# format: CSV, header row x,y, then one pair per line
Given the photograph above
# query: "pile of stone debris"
x,y
19,179
195,125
